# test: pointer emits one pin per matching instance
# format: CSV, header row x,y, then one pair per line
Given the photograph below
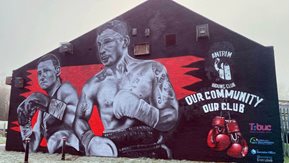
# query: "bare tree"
x,y
4,101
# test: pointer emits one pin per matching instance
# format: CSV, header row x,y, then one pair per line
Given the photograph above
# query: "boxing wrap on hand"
x,y
239,147
98,146
217,138
57,108
127,104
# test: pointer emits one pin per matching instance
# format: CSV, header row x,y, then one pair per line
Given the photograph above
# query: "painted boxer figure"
x,y
134,97
56,109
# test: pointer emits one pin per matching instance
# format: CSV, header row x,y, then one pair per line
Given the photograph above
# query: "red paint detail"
x,y
43,142
76,75
15,126
79,75
32,85
176,71
34,118
95,122
14,122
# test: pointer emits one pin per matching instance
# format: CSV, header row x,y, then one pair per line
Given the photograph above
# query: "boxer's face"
x,y
47,74
110,46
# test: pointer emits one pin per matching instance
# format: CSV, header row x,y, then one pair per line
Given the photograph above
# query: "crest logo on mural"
x,y
219,65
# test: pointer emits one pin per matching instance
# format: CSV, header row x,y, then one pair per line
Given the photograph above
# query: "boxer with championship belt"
x,y
128,93
56,110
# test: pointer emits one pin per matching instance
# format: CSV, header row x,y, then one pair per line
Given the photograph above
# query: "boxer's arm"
x,y
68,95
94,145
36,136
164,98
83,112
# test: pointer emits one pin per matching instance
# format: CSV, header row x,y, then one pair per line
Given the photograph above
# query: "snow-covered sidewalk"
x,y
18,157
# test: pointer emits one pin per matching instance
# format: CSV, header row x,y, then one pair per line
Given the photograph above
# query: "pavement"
x,y
2,147
39,157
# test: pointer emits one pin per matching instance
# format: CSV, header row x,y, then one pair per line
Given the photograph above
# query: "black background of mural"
x,y
253,65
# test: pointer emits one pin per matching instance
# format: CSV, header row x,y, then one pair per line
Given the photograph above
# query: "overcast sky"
x,y
31,28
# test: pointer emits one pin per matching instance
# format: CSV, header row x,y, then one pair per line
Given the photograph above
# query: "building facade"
x,y
158,81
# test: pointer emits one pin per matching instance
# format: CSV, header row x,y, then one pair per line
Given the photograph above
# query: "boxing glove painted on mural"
x,y
127,104
239,147
98,146
217,138
27,109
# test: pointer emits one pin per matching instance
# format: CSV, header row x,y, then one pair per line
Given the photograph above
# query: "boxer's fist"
x,y
28,107
24,113
127,104
97,146
39,101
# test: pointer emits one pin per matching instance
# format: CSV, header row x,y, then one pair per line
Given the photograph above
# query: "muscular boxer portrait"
x,y
135,99
56,109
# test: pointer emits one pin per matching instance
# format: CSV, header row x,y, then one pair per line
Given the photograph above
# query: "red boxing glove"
x,y
217,138
239,147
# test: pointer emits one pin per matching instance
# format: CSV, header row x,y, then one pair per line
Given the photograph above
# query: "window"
x,y
134,32
8,80
170,40
147,32
19,82
66,48
142,49
202,31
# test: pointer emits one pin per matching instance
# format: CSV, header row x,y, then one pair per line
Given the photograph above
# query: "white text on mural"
x,y
217,94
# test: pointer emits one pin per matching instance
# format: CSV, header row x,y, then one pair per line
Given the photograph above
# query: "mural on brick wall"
x,y
187,106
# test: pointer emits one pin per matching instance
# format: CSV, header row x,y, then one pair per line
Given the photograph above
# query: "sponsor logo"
x,y
256,151
260,128
253,152
264,158
256,141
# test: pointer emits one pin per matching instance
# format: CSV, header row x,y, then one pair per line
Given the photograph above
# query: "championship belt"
x,y
139,141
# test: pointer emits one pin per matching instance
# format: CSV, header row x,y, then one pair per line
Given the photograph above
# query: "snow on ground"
x,y
18,157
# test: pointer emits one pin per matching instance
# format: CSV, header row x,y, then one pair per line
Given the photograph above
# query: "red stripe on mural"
x,y
176,71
